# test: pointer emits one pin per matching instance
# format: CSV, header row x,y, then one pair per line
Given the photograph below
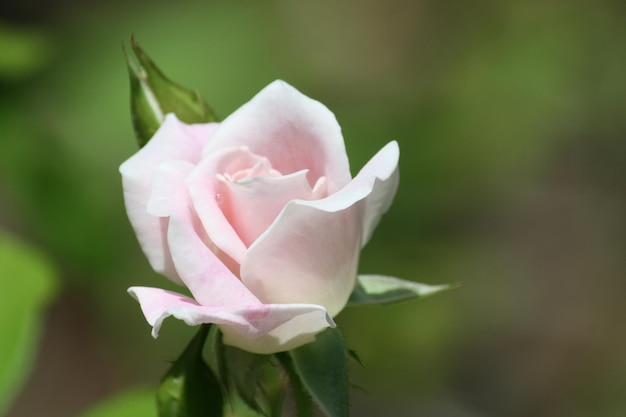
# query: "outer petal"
x,y
384,167
256,328
293,131
210,281
173,141
310,252
308,256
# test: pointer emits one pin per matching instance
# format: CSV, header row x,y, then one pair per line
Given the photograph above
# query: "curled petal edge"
x,y
380,169
258,328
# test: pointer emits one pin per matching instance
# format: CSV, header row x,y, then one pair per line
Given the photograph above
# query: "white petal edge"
x,y
262,328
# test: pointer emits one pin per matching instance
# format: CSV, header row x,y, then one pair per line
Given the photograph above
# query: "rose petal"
x,y
174,140
377,180
208,195
256,328
210,281
255,202
308,255
310,252
293,131
376,184
280,327
384,168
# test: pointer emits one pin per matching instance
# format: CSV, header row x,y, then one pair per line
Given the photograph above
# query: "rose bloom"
x,y
258,216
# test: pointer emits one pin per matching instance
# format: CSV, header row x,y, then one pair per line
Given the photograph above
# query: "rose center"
x,y
262,168
251,198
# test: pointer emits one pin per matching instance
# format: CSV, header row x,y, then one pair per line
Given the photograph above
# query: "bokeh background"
x,y
511,121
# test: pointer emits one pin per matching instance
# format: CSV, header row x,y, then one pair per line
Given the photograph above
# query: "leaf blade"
x,y
380,289
323,369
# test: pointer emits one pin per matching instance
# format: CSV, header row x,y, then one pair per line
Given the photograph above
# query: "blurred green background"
x,y
511,121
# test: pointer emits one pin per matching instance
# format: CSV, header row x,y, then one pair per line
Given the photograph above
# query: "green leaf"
x,y
153,95
322,367
379,289
133,403
26,286
190,389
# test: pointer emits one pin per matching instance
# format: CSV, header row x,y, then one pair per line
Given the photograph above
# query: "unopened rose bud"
x,y
153,95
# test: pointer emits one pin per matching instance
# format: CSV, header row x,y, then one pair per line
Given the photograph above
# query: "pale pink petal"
x,y
169,192
256,328
173,141
384,168
293,131
255,202
279,327
208,194
376,184
310,252
378,180
210,281
308,255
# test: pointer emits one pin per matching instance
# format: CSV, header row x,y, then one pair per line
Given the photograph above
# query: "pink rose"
x,y
258,217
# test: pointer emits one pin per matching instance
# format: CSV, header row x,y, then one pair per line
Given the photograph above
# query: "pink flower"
x,y
258,217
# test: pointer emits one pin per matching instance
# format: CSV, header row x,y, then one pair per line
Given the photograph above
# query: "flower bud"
x,y
153,95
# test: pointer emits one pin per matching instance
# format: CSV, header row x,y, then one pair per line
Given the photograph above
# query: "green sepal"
x,y
215,352
153,95
245,370
190,388
380,289
302,398
248,379
323,369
